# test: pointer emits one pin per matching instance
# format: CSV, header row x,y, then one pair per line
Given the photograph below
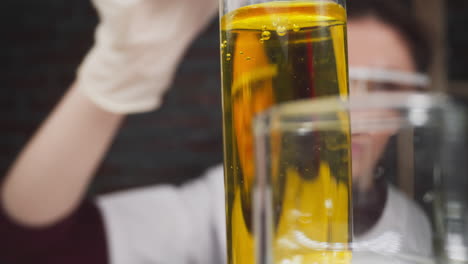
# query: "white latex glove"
x,y
138,46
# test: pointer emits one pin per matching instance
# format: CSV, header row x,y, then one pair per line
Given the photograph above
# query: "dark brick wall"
x,y
43,42
457,40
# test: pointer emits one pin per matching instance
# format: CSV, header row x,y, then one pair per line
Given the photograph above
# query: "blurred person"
x,y
386,219
387,52
45,218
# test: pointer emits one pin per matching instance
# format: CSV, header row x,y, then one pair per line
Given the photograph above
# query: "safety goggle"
x,y
372,80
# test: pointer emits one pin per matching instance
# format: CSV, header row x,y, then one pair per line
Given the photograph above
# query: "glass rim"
x,y
296,115
385,75
227,6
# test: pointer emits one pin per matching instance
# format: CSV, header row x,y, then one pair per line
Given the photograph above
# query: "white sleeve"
x,y
403,228
166,224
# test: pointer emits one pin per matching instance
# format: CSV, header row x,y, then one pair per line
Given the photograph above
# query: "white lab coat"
x,y
186,225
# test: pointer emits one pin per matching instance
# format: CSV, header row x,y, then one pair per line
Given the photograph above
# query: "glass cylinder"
x,y
271,52
397,196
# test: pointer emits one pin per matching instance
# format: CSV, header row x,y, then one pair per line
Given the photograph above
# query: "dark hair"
x,y
398,14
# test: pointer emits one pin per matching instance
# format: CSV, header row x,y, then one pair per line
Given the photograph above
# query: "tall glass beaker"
x,y
271,52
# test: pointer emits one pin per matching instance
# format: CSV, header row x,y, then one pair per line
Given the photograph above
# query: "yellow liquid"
x,y
311,196
272,53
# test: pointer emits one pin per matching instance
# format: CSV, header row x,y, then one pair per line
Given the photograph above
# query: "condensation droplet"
x,y
241,52
248,58
266,35
262,40
281,30
228,56
296,28
224,44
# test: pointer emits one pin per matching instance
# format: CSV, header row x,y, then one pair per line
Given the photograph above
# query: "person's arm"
x,y
50,176
138,46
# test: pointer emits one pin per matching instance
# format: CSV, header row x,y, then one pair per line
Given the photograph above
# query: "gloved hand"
x,y
137,48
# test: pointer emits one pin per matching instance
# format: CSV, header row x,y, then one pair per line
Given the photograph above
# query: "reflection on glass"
x,y
362,181
386,220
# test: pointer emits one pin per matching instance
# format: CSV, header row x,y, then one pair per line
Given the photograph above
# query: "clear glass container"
x,y
381,178
271,52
